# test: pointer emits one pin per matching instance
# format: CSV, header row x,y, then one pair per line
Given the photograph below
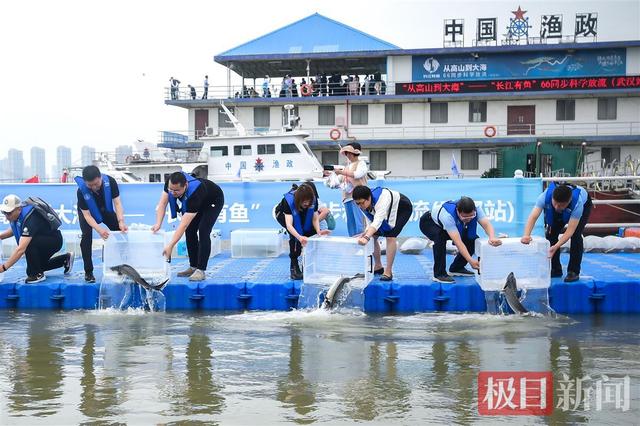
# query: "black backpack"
x,y
45,210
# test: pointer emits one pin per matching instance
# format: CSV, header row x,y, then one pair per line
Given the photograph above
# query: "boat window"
x,y
242,150
266,149
306,148
289,148
218,151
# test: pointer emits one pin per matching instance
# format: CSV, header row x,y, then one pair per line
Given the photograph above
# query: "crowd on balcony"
x,y
322,85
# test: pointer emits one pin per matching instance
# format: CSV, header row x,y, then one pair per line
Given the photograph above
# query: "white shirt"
x,y
386,207
359,172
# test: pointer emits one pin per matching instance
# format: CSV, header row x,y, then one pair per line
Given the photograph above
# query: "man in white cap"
x,y
35,228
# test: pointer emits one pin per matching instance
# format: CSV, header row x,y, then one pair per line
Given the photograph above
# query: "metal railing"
x,y
438,131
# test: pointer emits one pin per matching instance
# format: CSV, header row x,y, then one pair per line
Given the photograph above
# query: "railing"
x,y
436,131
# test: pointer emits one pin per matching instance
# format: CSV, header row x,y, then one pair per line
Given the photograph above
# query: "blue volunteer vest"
x,y
88,196
192,185
16,226
550,212
297,219
471,227
375,196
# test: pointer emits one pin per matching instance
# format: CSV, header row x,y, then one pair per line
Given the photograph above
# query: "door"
x,y
521,120
546,164
531,163
202,122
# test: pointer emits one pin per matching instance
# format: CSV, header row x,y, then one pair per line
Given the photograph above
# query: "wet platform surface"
x,y
609,283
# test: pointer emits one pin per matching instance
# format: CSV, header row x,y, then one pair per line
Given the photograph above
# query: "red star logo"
x,y
519,13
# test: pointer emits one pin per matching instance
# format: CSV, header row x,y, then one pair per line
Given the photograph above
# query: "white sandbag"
x,y
413,246
611,243
592,243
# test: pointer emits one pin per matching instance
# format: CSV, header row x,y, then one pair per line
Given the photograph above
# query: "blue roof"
x,y
313,34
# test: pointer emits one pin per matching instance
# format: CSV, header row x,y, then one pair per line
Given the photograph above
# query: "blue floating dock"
x,y
610,283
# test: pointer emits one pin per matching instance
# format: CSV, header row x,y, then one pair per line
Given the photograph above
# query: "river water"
x,y
301,367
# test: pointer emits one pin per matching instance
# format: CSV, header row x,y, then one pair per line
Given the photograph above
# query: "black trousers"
x,y
198,235
40,250
109,219
295,248
439,237
577,244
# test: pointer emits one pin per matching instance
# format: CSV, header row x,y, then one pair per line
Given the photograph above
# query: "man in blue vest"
x,y
35,238
563,205
98,202
456,221
199,202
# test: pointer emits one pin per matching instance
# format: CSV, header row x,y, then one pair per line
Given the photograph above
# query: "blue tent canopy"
x,y
313,34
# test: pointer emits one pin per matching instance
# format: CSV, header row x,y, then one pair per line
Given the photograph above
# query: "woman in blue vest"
x,y
387,212
456,221
35,238
563,205
98,202
199,202
298,213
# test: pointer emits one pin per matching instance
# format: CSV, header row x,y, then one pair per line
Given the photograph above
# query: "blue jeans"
x,y
355,218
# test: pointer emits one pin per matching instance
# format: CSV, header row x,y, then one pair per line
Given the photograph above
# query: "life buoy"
x,y
490,131
335,134
306,89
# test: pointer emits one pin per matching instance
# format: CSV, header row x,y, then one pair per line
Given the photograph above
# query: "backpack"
x,y
46,211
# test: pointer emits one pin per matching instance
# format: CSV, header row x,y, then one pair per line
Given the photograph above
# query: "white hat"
x,y
10,203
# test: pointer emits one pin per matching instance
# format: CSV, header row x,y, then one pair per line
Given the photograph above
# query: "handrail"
x,y
591,178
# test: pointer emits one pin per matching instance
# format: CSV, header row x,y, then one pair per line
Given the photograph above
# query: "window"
x,y
378,160
242,150
154,177
266,149
326,115
565,109
218,151
295,112
289,148
431,159
609,155
261,117
393,114
439,112
167,176
469,159
223,120
607,108
359,114
477,112
329,158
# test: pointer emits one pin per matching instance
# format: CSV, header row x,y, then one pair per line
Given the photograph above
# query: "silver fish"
x,y
510,291
330,297
129,271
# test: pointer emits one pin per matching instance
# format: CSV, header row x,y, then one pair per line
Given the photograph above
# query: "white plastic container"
x,y
8,247
1,262
528,262
140,249
180,249
71,242
256,243
328,258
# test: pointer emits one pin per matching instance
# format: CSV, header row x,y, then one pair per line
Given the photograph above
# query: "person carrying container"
x,y
98,203
456,221
298,213
387,212
354,174
199,202
34,224
563,205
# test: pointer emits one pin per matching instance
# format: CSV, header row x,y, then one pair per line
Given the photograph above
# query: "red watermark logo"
x,y
515,393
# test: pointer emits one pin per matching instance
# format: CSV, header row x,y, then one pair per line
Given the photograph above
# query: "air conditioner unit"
x,y
340,121
210,131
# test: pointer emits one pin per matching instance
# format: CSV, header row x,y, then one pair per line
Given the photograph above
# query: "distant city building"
x,y
87,155
122,152
55,173
4,170
63,158
16,165
38,163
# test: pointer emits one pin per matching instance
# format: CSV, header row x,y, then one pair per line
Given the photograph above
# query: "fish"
x,y
330,297
130,272
510,291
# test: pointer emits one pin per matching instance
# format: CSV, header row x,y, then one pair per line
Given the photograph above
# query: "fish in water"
x,y
510,291
330,297
129,271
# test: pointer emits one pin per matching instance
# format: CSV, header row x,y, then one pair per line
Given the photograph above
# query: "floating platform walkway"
x,y
609,283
